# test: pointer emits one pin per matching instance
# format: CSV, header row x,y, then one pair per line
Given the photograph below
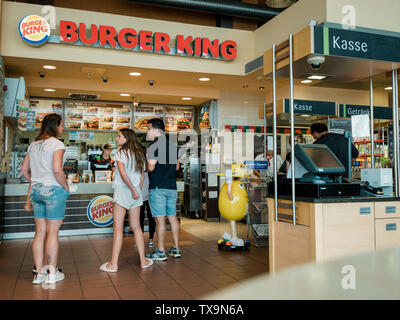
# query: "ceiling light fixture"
x,y
49,67
49,90
306,81
204,79
245,86
125,94
388,88
186,98
135,74
316,77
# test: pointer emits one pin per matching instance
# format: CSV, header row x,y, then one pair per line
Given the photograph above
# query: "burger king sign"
x,y
99,211
34,30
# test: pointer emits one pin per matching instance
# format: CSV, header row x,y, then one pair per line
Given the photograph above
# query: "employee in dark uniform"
x,y
103,161
336,142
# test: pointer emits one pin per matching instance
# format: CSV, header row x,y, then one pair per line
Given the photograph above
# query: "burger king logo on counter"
x,y
99,211
34,30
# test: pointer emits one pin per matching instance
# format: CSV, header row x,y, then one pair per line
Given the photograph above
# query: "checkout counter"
x,y
334,218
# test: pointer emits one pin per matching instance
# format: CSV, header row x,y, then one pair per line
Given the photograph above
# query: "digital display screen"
x,y
322,158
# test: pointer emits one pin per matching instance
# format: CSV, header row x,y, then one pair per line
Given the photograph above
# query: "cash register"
x,y
320,173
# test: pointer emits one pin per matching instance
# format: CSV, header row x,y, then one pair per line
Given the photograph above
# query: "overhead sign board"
x,y
356,44
348,110
311,107
35,30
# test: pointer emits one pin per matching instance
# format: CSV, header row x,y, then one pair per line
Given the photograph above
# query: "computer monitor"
x,y
318,159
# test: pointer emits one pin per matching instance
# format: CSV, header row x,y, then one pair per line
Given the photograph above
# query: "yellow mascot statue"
x,y
232,204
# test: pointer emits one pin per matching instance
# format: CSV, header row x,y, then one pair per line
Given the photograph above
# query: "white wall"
x,y
375,14
292,20
237,108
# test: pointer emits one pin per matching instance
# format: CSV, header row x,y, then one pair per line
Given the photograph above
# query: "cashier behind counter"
x,y
103,161
337,143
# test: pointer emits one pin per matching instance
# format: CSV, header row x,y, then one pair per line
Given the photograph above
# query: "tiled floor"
x,y
201,270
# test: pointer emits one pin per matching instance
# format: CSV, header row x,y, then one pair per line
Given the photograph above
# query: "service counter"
x,y
330,228
84,198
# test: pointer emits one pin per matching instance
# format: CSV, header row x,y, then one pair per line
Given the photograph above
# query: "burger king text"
x,y
147,41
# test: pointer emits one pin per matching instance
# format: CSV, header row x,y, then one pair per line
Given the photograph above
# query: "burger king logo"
x,y
99,211
34,30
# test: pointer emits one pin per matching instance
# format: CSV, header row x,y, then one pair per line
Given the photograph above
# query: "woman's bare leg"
x,y
118,224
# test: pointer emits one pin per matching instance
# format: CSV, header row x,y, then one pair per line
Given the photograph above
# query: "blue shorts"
x,y
48,202
162,202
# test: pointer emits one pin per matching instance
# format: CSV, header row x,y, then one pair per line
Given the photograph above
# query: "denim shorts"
x,y
162,202
48,202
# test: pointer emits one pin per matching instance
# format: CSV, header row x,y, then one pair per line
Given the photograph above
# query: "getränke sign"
x,y
34,30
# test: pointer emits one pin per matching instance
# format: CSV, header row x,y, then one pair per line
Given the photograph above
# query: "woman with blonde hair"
x,y
129,176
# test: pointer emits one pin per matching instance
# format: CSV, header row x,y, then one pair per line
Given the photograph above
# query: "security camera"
x,y
42,74
151,82
105,79
90,75
316,61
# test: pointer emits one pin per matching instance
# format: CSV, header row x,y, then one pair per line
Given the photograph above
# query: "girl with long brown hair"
x,y
128,182
43,168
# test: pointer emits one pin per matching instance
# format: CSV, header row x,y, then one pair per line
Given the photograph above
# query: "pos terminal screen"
x,y
318,158
322,158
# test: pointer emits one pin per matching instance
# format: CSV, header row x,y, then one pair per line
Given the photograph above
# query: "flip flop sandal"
x,y
148,265
104,268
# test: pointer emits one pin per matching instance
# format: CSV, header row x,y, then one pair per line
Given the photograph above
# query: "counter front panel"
x,y
18,223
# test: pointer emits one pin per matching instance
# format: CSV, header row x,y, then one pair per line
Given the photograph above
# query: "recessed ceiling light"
x,y
135,74
49,67
186,98
261,88
316,77
50,90
305,115
388,88
204,79
245,86
124,94
306,81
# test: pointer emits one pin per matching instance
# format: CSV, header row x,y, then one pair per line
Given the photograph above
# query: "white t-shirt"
x,y
41,160
129,163
270,171
145,187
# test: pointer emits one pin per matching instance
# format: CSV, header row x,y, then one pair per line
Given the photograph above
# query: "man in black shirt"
x,y
162,164
336,142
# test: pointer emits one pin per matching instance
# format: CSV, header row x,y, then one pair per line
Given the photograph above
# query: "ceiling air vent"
x,y
83,96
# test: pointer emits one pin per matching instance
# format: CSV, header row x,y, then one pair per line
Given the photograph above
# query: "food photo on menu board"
x,y
91,123
144,113
30,114
204,117
122,116
73,118
178,119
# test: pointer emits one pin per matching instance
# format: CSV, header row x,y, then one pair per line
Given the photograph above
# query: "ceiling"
x,y
169,86
344,73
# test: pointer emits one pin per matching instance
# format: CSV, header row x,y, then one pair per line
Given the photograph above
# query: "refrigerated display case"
x,y
192,198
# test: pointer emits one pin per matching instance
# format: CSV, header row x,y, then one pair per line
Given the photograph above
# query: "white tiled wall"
x,y
239,109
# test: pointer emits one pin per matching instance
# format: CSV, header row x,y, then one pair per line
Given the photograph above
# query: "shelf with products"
x,y
364,159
